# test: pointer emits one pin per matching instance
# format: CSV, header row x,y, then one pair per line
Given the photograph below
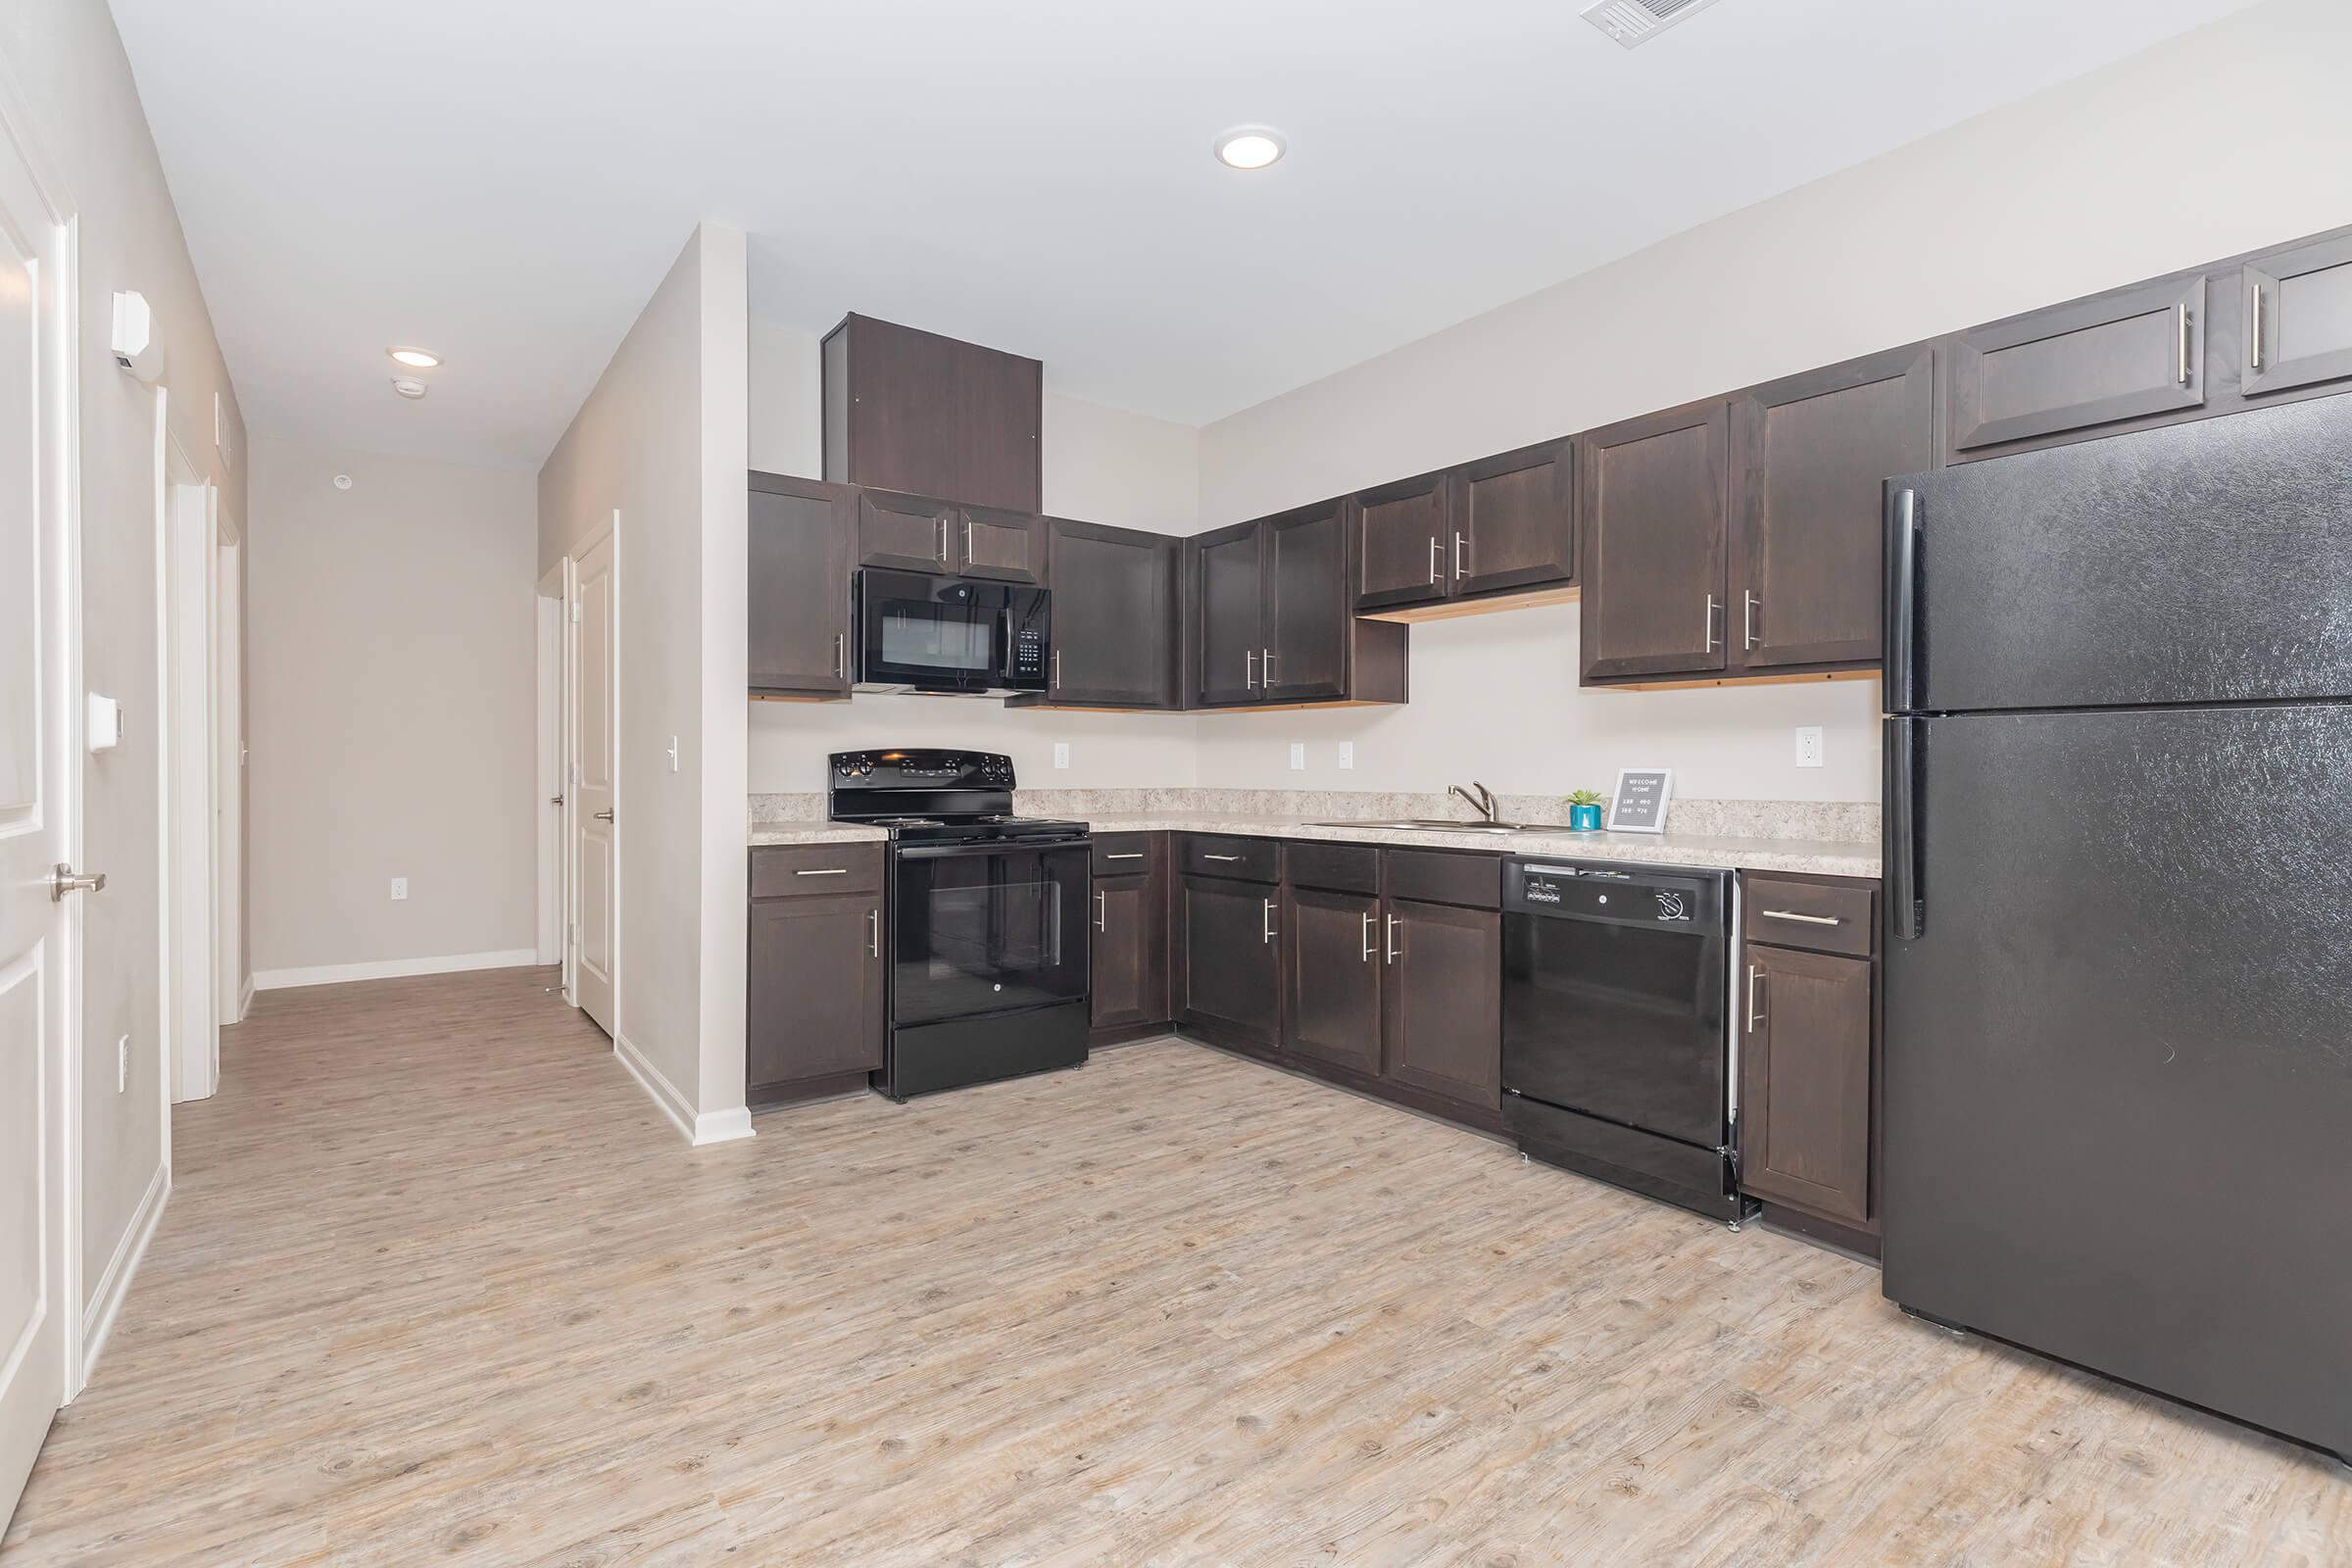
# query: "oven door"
x,y
921,632
1623,1021
981,928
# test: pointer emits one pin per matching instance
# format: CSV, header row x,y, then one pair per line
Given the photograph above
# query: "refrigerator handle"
x,y
1903,514
1906,907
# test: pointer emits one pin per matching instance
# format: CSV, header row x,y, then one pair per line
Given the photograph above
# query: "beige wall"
x,y
1099,464
392,708
662,440
2150,164
85,119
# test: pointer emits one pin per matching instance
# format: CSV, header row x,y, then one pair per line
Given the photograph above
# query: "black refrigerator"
x,y
2118,1069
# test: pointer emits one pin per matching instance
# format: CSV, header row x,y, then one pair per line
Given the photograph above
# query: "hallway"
x,y
439,1282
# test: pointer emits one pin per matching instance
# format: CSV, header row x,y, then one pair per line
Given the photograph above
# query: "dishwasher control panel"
x,y
1690,899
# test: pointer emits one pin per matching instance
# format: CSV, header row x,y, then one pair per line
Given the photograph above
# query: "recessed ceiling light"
x,y
1249,147
419,358
408,386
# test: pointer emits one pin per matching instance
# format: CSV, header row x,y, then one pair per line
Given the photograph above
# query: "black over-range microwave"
x,y
916,631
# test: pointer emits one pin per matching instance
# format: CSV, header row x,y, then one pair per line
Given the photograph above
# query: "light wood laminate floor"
x,y
440,1284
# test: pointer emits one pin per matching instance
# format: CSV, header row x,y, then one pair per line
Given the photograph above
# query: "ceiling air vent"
x,y
1636,22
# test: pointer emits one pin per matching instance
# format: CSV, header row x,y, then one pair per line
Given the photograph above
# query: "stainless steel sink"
x,y
1432,824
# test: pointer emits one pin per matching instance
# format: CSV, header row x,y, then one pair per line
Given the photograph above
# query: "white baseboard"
x,y
98,1318
698,1128
330,974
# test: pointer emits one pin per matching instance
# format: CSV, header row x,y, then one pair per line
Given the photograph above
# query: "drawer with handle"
x,y
1244,860
1820,917
800,871
1124,854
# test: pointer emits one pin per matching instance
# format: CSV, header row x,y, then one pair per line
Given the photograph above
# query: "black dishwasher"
x,y
1616,1051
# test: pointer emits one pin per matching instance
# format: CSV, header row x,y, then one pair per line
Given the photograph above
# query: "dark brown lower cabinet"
x,y
1808,1056
1332,977
1228,962
1441,1008
816,1013
1130,935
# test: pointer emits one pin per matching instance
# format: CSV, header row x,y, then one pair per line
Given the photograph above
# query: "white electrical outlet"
x,y
121,1065
1299,754
400,889
1808,745
1061,753
1346,754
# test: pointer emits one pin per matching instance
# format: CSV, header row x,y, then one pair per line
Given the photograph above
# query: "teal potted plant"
x,y
1584,812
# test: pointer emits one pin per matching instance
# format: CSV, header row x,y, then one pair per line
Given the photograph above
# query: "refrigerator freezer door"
x,y
2119,1054
2202,563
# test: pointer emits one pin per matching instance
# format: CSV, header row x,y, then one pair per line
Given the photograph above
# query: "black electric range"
x,y
989,961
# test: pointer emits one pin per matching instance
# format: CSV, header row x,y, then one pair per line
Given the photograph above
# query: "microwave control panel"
x,y
1029,654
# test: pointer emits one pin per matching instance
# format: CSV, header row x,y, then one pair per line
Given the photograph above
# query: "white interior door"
x,y
38,740
228,771
595,879
551,769
195,963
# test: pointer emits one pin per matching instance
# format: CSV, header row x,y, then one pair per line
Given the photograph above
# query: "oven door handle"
x,y
942,852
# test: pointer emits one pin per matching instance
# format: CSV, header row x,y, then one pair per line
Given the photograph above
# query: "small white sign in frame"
x,y
1639,804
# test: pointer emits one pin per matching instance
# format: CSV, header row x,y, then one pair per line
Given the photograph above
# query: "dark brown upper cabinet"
x,y
1403,532
1271,622
1498,528
1809,457
914,412
1515,523
799,580
2125,355
1652,500
1116,620
1227,598
913,533
1308,621
2297,316
991,542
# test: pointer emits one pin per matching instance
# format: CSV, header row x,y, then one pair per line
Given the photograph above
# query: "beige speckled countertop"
x,y
766,833
1816,857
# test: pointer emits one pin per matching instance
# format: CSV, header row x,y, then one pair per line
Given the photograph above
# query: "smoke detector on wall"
x,y
1635,22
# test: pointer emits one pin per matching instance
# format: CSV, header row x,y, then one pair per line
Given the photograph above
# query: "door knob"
x,y
62,881
605,815
555,800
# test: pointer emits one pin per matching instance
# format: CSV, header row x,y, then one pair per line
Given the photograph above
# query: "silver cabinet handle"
x,y
1205,856
1249,669
1806,919
830,870
1058,669
65,879
1748,636
943,541
1755,1016
1267,931
1391,939
1265,669
2254,334
1712,607
1433,561
1459,571
873,931
605,815
1102,912
841,655
1371,947
1125,855
2182,312
968,538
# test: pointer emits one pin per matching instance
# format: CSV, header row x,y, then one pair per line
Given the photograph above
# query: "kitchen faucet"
x,y
1483,802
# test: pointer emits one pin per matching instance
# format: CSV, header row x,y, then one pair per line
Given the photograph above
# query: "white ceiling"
x,y
504,182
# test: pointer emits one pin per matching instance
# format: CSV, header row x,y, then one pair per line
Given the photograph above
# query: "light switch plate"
x,y
1061,753
1346,754
1808,745
1299,754
400,888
